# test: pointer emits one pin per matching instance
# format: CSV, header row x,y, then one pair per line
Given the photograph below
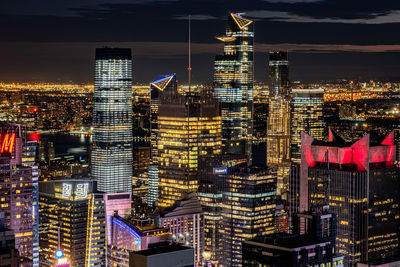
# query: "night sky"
x,y
54,41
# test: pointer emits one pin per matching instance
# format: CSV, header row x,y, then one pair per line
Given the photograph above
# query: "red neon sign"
x,y
7,143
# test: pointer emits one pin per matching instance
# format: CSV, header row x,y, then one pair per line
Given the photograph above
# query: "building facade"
x,y
16,188
233,85
312,243
185,220
278,121
359,182
111,156
248,209
188,126
156,88
30,149
307,117
133,234
65,207
96,231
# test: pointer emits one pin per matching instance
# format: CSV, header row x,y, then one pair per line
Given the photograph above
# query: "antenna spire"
x,y
189,54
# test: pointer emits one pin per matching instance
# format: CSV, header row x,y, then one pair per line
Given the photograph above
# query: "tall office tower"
x,y
112,123
16,188
65,207
248,209
278,122
156,88
233,85
278,74
188,126
29,160
311,244
360,183
185,220
212,174
307,117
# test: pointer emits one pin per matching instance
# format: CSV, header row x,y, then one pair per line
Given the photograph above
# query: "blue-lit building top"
x,y
135,234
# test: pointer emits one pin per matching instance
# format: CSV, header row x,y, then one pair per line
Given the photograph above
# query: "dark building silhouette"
x,y
311,244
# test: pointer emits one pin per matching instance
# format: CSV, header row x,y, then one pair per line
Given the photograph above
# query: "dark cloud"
x,y
157,31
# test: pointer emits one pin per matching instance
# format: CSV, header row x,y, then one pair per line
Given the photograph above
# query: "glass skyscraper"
x,y
278,74
188,126
233,85
112,124
307,117
156,88
278,122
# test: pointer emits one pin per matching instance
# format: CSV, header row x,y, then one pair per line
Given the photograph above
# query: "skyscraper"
x,y
307,117
29,160
247,209
16,189
233,85
156,88
278,74
278,122
360,183
112,123
188,126
72,220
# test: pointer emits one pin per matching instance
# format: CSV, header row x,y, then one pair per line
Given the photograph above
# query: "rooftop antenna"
x,y
189,55
188,99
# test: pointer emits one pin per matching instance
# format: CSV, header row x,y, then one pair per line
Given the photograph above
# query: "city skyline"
x,y
242,165
46,41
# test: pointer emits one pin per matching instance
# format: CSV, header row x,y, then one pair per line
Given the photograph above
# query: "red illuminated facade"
x,y
359,182
16,189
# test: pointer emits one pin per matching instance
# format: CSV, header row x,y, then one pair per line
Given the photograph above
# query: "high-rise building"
x,y
307,117
29,160
16,190
233,85
185,220
248,209
96,231
72,221
278,122
278,74
188,126
360,183
156,88
311,244
111,157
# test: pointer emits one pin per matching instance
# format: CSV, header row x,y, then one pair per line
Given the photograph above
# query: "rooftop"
x,y
285,241
161,250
